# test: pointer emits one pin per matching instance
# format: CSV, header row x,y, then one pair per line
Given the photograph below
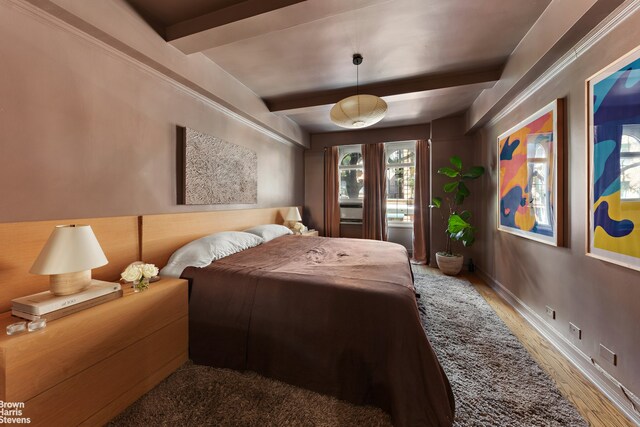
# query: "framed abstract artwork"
x,y
211,170
613,120
530,176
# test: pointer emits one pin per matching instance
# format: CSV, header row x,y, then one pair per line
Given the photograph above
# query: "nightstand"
x,y
87,367
310,233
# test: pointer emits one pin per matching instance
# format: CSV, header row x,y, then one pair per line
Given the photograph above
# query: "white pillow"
x,y
204,251
269,231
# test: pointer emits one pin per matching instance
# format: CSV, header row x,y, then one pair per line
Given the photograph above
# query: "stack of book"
x,y
46,305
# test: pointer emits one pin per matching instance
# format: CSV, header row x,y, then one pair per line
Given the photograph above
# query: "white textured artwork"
x,y
216,171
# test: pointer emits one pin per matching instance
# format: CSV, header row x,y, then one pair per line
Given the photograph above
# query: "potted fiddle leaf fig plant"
x,y
458,226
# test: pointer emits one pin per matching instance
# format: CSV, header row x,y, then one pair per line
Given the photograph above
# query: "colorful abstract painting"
x,y
528,202
614,153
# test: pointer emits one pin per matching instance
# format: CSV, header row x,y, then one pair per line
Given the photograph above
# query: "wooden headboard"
x,y
164,234
21,242
152,238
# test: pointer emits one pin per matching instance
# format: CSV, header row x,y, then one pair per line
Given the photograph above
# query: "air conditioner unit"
x,y
350,212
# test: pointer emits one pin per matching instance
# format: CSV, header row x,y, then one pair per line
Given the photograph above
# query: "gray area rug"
x,y
495,381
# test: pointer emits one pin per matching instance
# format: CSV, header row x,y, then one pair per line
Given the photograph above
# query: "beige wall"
x,y
88,132
447,140
314,189
600,298
116,25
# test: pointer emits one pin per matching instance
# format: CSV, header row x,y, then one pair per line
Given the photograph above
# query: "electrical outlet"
x,y
608,355
551,312
575,331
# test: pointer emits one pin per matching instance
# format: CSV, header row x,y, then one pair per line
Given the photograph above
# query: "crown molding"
x,y
44,17
586,43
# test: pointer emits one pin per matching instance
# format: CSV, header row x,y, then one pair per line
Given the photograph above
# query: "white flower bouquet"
x,y
139,274
299,228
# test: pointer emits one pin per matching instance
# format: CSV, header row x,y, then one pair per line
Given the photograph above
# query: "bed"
x,y
337,316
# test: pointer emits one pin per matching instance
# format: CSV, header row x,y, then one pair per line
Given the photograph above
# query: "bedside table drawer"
x,y
112,379
91,358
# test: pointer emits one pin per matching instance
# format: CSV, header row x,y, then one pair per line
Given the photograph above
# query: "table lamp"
x,y
292,217
68,257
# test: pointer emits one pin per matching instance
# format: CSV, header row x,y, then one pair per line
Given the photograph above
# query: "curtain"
x,y
331,193
374,213
420,209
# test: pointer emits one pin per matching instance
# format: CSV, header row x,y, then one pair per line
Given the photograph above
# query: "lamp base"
x,y
69,283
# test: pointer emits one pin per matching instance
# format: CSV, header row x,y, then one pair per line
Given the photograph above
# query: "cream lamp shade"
x,y
358,111
68,257
293,215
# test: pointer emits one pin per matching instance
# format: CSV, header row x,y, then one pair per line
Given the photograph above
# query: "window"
x,y
400,176
351,168
401,170
630,163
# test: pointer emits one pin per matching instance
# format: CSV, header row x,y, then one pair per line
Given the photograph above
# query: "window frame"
x,y
343,150
391,147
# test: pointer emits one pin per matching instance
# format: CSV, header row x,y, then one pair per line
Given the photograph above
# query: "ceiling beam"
x,y
290,103
253,18
227,15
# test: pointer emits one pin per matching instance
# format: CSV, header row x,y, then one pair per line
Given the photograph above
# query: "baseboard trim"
x,y
624,400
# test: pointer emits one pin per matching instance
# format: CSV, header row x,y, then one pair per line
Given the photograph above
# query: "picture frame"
x,y
212,171
530,200
613,162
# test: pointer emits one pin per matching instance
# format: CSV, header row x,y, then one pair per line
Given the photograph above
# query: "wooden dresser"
x,y
86,368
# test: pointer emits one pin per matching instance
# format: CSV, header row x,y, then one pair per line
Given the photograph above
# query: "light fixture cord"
x,y
357,80
358,87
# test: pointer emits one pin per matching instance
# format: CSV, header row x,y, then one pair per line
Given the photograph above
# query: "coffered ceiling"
x,y
426,58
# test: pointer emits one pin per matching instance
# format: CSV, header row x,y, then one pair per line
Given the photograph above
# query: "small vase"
x,y
140,285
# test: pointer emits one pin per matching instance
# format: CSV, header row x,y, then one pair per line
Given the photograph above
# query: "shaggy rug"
x,y
494,380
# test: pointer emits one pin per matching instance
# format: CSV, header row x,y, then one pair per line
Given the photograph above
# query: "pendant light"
x,y
358,111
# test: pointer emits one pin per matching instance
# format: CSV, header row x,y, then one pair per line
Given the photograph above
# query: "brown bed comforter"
x,y
337,316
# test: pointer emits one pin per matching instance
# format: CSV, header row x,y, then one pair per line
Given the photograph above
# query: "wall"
x,y
599,297
116,25
447,140
87,131
402,236
562,24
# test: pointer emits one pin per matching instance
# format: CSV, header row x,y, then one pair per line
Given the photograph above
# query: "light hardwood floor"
x,y
590,402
